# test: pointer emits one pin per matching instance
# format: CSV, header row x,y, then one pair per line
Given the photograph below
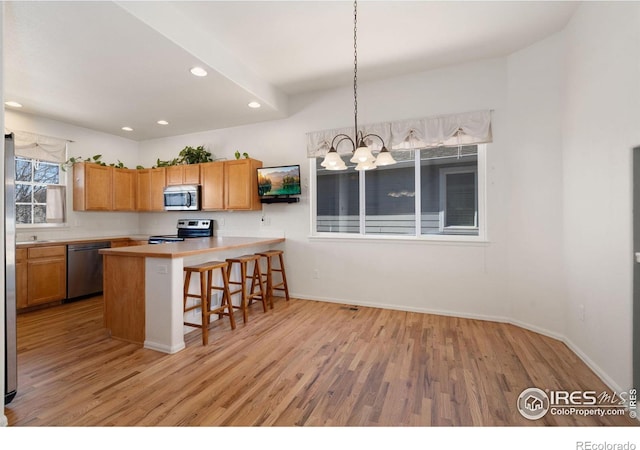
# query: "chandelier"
x,y
362,156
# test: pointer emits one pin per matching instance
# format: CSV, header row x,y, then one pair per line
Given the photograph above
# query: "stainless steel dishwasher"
x,y
84,269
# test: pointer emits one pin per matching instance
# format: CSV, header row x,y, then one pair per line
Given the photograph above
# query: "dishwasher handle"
x,y
87,247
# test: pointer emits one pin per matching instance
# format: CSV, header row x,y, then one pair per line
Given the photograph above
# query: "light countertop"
x,y
191,247
80,240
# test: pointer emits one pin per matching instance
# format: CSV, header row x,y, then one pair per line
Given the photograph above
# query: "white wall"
x,y
456,278
535,280
601,125
86,143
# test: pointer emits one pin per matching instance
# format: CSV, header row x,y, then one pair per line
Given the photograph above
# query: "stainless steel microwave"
x,y
182,198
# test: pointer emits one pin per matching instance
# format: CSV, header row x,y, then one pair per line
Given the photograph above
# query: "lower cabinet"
x,y
21,278
42,276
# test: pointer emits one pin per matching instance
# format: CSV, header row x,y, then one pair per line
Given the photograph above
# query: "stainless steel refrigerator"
x,y
11,359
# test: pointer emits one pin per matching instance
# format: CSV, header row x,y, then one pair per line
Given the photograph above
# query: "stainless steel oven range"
x,y
187,228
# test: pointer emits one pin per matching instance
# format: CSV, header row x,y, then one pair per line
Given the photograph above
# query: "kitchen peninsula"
x,y
143,286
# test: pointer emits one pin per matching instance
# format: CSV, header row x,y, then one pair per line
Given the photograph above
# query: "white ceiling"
x,y
105,65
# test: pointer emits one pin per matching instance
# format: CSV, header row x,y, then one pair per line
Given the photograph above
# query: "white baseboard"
x,y
163,348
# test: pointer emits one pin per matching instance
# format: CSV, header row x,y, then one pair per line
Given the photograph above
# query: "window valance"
x,y
43,148
447,130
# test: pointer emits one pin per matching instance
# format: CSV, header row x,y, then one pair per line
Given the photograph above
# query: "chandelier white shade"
x,y
362,154
333,161
384,158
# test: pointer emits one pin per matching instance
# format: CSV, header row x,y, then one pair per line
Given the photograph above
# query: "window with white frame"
x,y
429,192
33,181
40,190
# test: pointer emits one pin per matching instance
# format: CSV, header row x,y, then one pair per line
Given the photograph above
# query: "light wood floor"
x,y
305,363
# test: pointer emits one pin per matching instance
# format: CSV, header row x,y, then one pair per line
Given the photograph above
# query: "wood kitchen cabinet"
x,y
226,185
124,189
230,185
150,184
103,188
92,187
241,184
212,192
21,278
46,277
183,174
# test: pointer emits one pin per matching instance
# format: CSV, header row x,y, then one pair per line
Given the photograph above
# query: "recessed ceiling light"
x,y
13,104
162,122
198,71
254,105
127,128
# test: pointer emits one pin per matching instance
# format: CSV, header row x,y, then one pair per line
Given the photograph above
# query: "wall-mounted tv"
x,y
279,181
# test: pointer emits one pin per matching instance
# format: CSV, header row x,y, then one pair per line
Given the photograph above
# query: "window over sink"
x,y
39,192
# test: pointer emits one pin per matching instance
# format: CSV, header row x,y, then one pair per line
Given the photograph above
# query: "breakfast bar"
x,y
143,286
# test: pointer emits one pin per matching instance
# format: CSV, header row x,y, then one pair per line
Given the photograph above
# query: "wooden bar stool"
x,y
282,285
256,290
205,271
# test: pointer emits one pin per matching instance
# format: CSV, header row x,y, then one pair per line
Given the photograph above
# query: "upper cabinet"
x,y
183,174
225,185
230,185
124,189
212,177
241,184
103,188
150,184
92,187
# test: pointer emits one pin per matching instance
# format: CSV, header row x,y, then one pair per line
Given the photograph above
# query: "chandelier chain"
x,y
355,68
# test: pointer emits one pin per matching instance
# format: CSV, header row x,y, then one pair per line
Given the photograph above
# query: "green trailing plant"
x,y
197,155
237,155
96,159
171,162
118,165
188,155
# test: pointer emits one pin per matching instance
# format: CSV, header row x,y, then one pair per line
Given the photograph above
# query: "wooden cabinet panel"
x,y
143,189
21,279
241,184
46,276
158,183
98,188
92,187
46,252
212,178
174,175
191,174
124,294
183,174
124,189
103,188
150,185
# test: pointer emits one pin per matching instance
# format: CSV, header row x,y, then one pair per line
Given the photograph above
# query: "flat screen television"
x,y
279,181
